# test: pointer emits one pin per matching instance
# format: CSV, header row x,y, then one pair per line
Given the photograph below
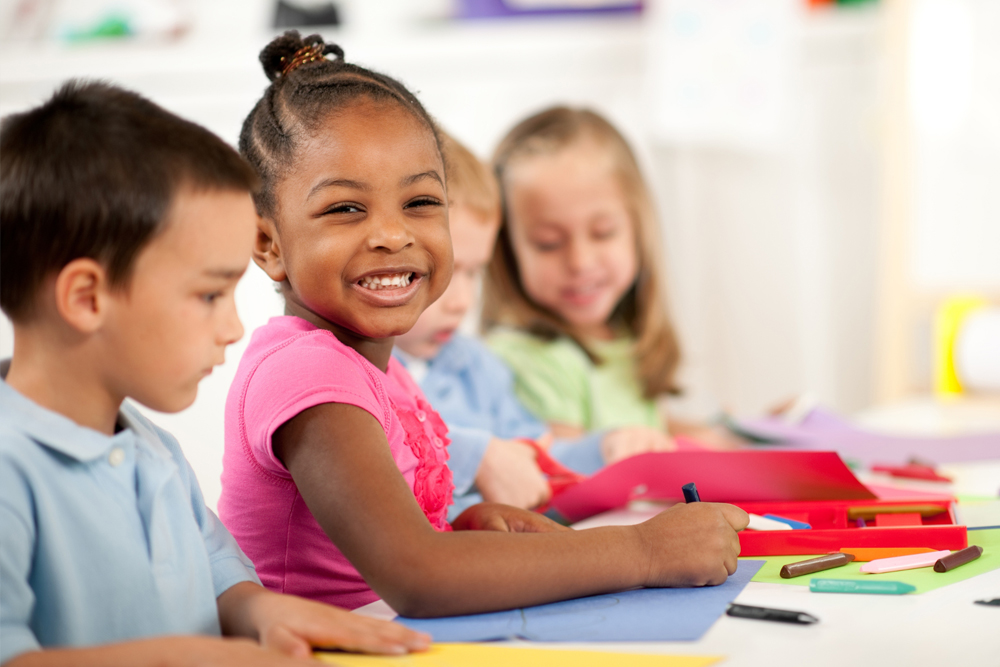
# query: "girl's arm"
x,y
339,458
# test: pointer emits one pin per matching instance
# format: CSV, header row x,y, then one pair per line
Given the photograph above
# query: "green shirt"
x,y
558,382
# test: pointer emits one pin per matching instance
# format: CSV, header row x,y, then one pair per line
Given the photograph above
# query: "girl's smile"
x,y
390,287
360,241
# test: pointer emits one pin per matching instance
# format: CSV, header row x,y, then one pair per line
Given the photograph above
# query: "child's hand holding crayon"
x,y
695,544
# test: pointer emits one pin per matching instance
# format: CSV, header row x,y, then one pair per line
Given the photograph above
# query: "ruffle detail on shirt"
x,y
432,483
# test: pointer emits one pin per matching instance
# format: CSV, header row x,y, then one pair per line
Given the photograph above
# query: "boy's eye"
x,y
210,297
606,233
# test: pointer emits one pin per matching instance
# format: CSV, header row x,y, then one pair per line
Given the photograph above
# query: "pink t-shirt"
x,y
290,366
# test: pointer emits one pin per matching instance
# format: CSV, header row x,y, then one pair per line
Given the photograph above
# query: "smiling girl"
x,y
335,479
574,292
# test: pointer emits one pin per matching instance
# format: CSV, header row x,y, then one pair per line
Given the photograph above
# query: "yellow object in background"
x,y
492,655
947,324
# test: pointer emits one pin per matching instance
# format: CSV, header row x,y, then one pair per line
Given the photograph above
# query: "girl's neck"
x,y
376,350
596,332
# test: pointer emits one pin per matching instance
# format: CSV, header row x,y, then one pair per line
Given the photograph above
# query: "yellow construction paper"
x,y
494,655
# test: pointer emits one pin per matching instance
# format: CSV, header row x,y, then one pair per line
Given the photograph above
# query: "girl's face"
x,y
362,224
572,233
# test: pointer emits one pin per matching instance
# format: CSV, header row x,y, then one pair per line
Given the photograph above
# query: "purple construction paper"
x,y
644,614
824,430
495,8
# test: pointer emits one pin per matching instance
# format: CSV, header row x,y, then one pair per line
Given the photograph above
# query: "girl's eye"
x,y
423,201
546,246
210,297
342,208
602,234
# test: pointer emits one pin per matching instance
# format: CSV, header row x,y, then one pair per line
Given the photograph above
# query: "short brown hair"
x,y
470,181
92,172
643,310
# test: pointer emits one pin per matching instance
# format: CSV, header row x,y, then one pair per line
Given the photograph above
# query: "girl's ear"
x,y
82,291
267,250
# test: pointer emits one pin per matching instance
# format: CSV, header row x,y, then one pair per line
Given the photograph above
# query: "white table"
x,y
939,628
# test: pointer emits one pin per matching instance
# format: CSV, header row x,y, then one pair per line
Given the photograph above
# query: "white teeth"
x,y
386,281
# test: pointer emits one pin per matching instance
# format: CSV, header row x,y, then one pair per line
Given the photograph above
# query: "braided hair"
x,y
305,88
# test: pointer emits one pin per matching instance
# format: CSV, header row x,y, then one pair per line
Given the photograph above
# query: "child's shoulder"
x,y
510,343
298,349
290,363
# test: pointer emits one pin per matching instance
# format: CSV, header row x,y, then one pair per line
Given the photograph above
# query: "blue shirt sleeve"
x,y
465,454
582,455
228,563
17,539
509,418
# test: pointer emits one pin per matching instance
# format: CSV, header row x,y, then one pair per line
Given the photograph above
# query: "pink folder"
x,y
720,477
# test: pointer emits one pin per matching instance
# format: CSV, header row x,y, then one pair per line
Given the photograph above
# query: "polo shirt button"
x,y
421,416
116,457
438,441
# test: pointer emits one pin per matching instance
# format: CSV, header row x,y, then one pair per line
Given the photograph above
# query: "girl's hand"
x,y
294,626
508,474
505,519
625,442
693,544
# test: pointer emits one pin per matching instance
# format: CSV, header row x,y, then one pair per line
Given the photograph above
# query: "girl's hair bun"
x,y
279,54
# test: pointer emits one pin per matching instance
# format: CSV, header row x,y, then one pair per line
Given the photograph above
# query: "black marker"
x,y
765,614
994,602
691,493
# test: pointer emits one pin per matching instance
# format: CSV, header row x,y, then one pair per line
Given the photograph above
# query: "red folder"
x,y
739,476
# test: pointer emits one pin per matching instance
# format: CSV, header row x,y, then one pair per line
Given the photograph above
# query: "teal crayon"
x,y
854,586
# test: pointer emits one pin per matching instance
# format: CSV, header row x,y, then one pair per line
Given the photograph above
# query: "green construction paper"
x,y
925,578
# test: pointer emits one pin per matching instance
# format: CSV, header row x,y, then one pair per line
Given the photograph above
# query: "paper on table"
x,y
721,476
925,579
487,655
822,429
645,614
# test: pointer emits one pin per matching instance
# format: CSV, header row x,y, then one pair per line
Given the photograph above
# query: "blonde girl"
x,y
574,297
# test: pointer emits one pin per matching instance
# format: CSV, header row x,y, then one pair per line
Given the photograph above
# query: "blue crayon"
x,y
691,493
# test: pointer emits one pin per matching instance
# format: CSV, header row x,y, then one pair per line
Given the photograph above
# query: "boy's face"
x,y
170,326
472,238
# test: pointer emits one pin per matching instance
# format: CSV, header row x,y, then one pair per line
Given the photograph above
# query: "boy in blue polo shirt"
x,y
472,388
123,233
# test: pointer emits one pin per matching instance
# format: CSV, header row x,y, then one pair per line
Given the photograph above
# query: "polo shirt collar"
x,y
53,430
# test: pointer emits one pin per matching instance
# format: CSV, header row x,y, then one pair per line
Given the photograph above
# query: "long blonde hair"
x,y
642,311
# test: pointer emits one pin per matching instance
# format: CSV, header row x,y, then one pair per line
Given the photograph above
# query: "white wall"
x,y
772,255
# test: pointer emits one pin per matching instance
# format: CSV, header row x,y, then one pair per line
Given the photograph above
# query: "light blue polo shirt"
x,y
103,539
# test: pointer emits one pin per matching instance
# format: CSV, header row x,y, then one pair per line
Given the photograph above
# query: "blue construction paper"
x,y
645,614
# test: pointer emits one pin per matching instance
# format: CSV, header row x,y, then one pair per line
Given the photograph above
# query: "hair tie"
x,y
308,54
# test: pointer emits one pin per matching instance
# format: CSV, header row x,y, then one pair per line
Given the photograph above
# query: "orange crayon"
x,y
867,554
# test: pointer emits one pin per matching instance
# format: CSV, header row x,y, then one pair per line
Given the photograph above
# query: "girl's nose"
x,y
580,255
390,233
